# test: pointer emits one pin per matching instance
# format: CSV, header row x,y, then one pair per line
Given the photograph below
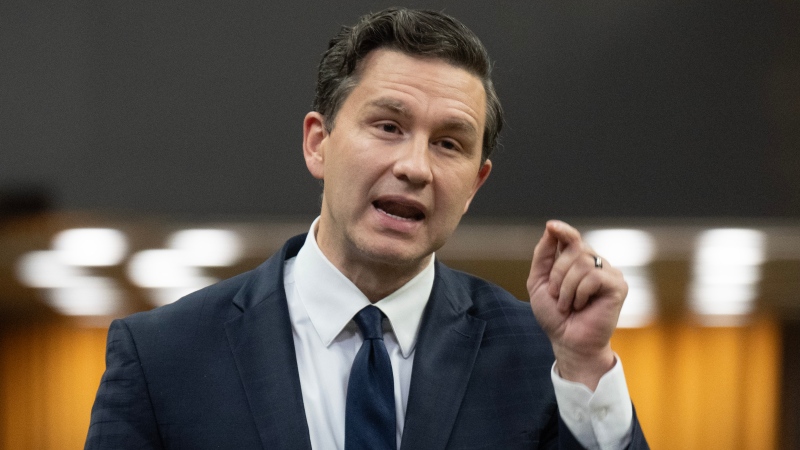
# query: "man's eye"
x,y
389,127
449,145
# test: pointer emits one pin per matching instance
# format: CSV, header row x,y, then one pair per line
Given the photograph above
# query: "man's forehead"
x,y
461,83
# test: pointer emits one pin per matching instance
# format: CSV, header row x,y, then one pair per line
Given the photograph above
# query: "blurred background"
x,y
148,149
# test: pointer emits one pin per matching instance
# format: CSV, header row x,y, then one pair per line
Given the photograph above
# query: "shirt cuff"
x,y
601,419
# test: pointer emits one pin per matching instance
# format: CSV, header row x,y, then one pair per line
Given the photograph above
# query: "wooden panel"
x,y
704,388
693,387
49,374
644,360
790,388
761,386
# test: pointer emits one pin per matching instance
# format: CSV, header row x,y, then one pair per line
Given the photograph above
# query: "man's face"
x,y
401,164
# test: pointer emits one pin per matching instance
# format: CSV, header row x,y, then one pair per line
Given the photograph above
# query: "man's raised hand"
x,y
576,302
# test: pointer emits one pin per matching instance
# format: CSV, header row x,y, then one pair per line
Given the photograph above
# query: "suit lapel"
x,y
263,347
447,346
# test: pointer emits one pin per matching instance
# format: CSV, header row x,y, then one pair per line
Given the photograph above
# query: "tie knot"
x,y
369,322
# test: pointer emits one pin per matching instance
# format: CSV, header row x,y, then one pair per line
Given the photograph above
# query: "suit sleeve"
x,y
122,415
638,442
557,436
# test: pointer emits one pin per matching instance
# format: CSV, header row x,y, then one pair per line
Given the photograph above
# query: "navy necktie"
x,y
369,412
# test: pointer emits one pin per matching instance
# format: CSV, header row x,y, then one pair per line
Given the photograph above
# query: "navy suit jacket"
x,y
217,369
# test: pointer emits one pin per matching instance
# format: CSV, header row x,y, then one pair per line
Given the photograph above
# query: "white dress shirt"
x,y
322,303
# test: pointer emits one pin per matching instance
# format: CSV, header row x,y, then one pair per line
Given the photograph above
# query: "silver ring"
x,y
598,261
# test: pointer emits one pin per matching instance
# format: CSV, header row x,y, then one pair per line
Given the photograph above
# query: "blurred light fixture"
x,y
176,271
726,273
207,247
91,247
623,247
161,268
44,269
631,251
63,272
90,296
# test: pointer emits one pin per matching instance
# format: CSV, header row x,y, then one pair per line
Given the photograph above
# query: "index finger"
x,y
557,237
544,256
566,235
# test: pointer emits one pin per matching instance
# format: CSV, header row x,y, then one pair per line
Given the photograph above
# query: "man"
x,y
404,121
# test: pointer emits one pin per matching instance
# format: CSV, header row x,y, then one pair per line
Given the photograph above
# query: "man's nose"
x,y
413,162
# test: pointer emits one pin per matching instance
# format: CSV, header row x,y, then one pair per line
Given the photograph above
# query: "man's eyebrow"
x,y
461,126
396,106
391,105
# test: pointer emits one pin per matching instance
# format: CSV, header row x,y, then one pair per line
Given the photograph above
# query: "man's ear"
x,y
314,137
480,178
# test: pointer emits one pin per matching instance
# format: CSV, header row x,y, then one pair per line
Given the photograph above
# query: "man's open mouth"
x,y
399,210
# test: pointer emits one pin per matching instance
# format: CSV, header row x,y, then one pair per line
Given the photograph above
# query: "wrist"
x,y
582,367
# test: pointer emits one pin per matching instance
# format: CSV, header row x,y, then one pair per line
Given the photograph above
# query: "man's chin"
x,y
396,255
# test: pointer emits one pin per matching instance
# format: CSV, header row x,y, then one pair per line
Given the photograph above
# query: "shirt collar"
x,y
332,300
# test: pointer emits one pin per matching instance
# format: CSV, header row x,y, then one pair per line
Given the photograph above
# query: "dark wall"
x,y
623,108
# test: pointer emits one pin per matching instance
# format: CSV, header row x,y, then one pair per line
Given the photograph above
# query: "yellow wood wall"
x,y
704,388
49,374
693,387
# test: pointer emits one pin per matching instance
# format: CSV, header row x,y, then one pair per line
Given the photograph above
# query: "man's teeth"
x,y
407,219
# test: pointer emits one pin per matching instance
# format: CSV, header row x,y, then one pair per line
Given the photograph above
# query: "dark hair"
x,y
417,33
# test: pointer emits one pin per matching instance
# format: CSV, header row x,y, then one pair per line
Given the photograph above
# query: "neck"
x,y
377,281
375,275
